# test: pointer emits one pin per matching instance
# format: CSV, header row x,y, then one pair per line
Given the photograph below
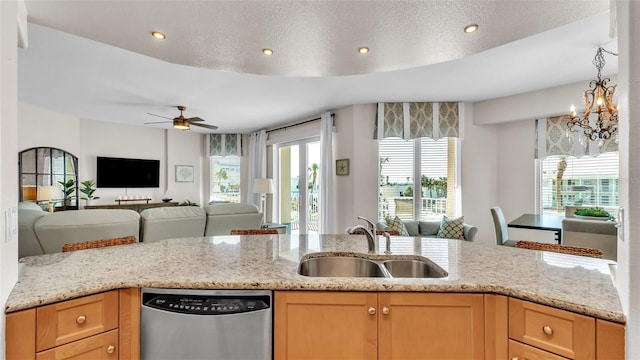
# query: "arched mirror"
x,y
49,177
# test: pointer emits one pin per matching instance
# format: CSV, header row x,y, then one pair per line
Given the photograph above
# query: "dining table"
x,y
545,222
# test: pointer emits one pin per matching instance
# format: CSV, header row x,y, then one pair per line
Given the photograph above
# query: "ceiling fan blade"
x,y
212,127
195,119
158,122
164,117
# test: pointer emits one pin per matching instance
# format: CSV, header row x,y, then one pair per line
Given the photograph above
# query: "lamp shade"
x,y
263,186
29,193
49,193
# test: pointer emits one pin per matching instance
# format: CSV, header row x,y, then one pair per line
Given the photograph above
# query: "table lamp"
x,y
263,187
49,193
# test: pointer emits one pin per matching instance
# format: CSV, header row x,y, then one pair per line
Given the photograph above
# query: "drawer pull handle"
x,y
547,330
372,310
81,319
514,358
111,349
385,310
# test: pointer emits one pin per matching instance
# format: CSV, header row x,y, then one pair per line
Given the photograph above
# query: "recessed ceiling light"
x,y
363,50
470,28
267,51
158,35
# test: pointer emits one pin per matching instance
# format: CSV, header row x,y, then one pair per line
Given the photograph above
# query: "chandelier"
x,y
599,108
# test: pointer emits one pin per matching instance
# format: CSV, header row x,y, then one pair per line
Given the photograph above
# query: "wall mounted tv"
x,y
127,173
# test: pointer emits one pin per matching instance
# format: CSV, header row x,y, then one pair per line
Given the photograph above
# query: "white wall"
x,y
8,152
628,274
88,139
479,174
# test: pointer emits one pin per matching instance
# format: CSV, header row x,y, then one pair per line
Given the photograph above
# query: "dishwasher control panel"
x,y
205,305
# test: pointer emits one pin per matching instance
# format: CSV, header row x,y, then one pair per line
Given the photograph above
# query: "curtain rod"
x,y
296,124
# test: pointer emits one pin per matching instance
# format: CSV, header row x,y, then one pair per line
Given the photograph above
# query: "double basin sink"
x,y
331,265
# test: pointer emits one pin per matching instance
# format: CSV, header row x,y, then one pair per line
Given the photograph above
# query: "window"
x,y
42,172
585,181
225,178
424,164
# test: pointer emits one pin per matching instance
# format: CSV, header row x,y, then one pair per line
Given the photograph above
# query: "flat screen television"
x,y
127,173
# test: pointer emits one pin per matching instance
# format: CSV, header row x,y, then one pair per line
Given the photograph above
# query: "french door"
x,y
299,188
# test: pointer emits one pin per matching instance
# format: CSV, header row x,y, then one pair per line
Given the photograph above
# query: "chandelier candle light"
x,y
599,106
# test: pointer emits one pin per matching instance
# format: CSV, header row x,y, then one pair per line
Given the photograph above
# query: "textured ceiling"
x,y
111,69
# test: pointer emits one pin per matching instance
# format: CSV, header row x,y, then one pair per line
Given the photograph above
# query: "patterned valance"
x,y
225,144
418,119
554,138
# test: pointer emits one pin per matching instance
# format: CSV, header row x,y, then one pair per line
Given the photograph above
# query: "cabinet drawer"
x,y
561,332
71,320
101,346
518,351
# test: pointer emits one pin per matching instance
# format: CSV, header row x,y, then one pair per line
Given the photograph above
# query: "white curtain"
x,y
257,163
327,206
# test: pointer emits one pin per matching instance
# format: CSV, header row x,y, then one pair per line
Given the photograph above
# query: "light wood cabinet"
x,y
322,325
100,326
519,351
543,332
97,347
71,320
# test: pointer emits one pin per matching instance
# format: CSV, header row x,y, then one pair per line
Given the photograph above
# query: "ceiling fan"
x,y
182,122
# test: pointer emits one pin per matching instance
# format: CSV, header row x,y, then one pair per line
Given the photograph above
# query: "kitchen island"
x,y
578,284
494,302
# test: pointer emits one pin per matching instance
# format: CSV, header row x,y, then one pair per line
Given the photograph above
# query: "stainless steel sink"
x,y
351,266
340,266
401,268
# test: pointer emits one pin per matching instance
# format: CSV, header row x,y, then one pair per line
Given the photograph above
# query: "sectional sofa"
x,y
42,233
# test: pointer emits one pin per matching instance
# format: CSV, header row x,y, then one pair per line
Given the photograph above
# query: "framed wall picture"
x,y
342,167
184,173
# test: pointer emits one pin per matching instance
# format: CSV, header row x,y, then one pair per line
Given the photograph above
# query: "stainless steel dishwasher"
x,y
206,324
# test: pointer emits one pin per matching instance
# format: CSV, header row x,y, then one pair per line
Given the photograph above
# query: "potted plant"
x,y
88,188
594,213
68,188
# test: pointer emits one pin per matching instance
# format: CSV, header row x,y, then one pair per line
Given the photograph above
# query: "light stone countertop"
x,y
575,283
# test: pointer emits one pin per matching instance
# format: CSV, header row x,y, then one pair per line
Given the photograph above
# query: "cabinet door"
x,y
609,340
98,347
325,325
431,326
558,331
70,320
519,351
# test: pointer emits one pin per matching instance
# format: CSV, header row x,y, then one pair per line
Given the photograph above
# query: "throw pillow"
x,y
397,225
451,228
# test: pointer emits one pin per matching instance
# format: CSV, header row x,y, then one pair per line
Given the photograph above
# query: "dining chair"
x,y
255,232
99,243
502,237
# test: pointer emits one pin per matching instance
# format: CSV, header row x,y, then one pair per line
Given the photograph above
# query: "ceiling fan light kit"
x,y
182,122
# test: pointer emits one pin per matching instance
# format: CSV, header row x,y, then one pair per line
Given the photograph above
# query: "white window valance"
x,y
225,144
418,120
554,138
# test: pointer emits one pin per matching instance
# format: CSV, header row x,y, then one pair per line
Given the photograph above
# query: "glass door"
x,y
299,185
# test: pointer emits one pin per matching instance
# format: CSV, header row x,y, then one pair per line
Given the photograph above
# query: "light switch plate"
x,y
10,224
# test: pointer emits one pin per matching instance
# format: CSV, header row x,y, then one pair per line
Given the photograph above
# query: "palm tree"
x,y
562,166
313,174
381,161
221,175
441,187
428,183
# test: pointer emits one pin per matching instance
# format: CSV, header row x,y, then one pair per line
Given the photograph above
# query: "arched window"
x,y
44,172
